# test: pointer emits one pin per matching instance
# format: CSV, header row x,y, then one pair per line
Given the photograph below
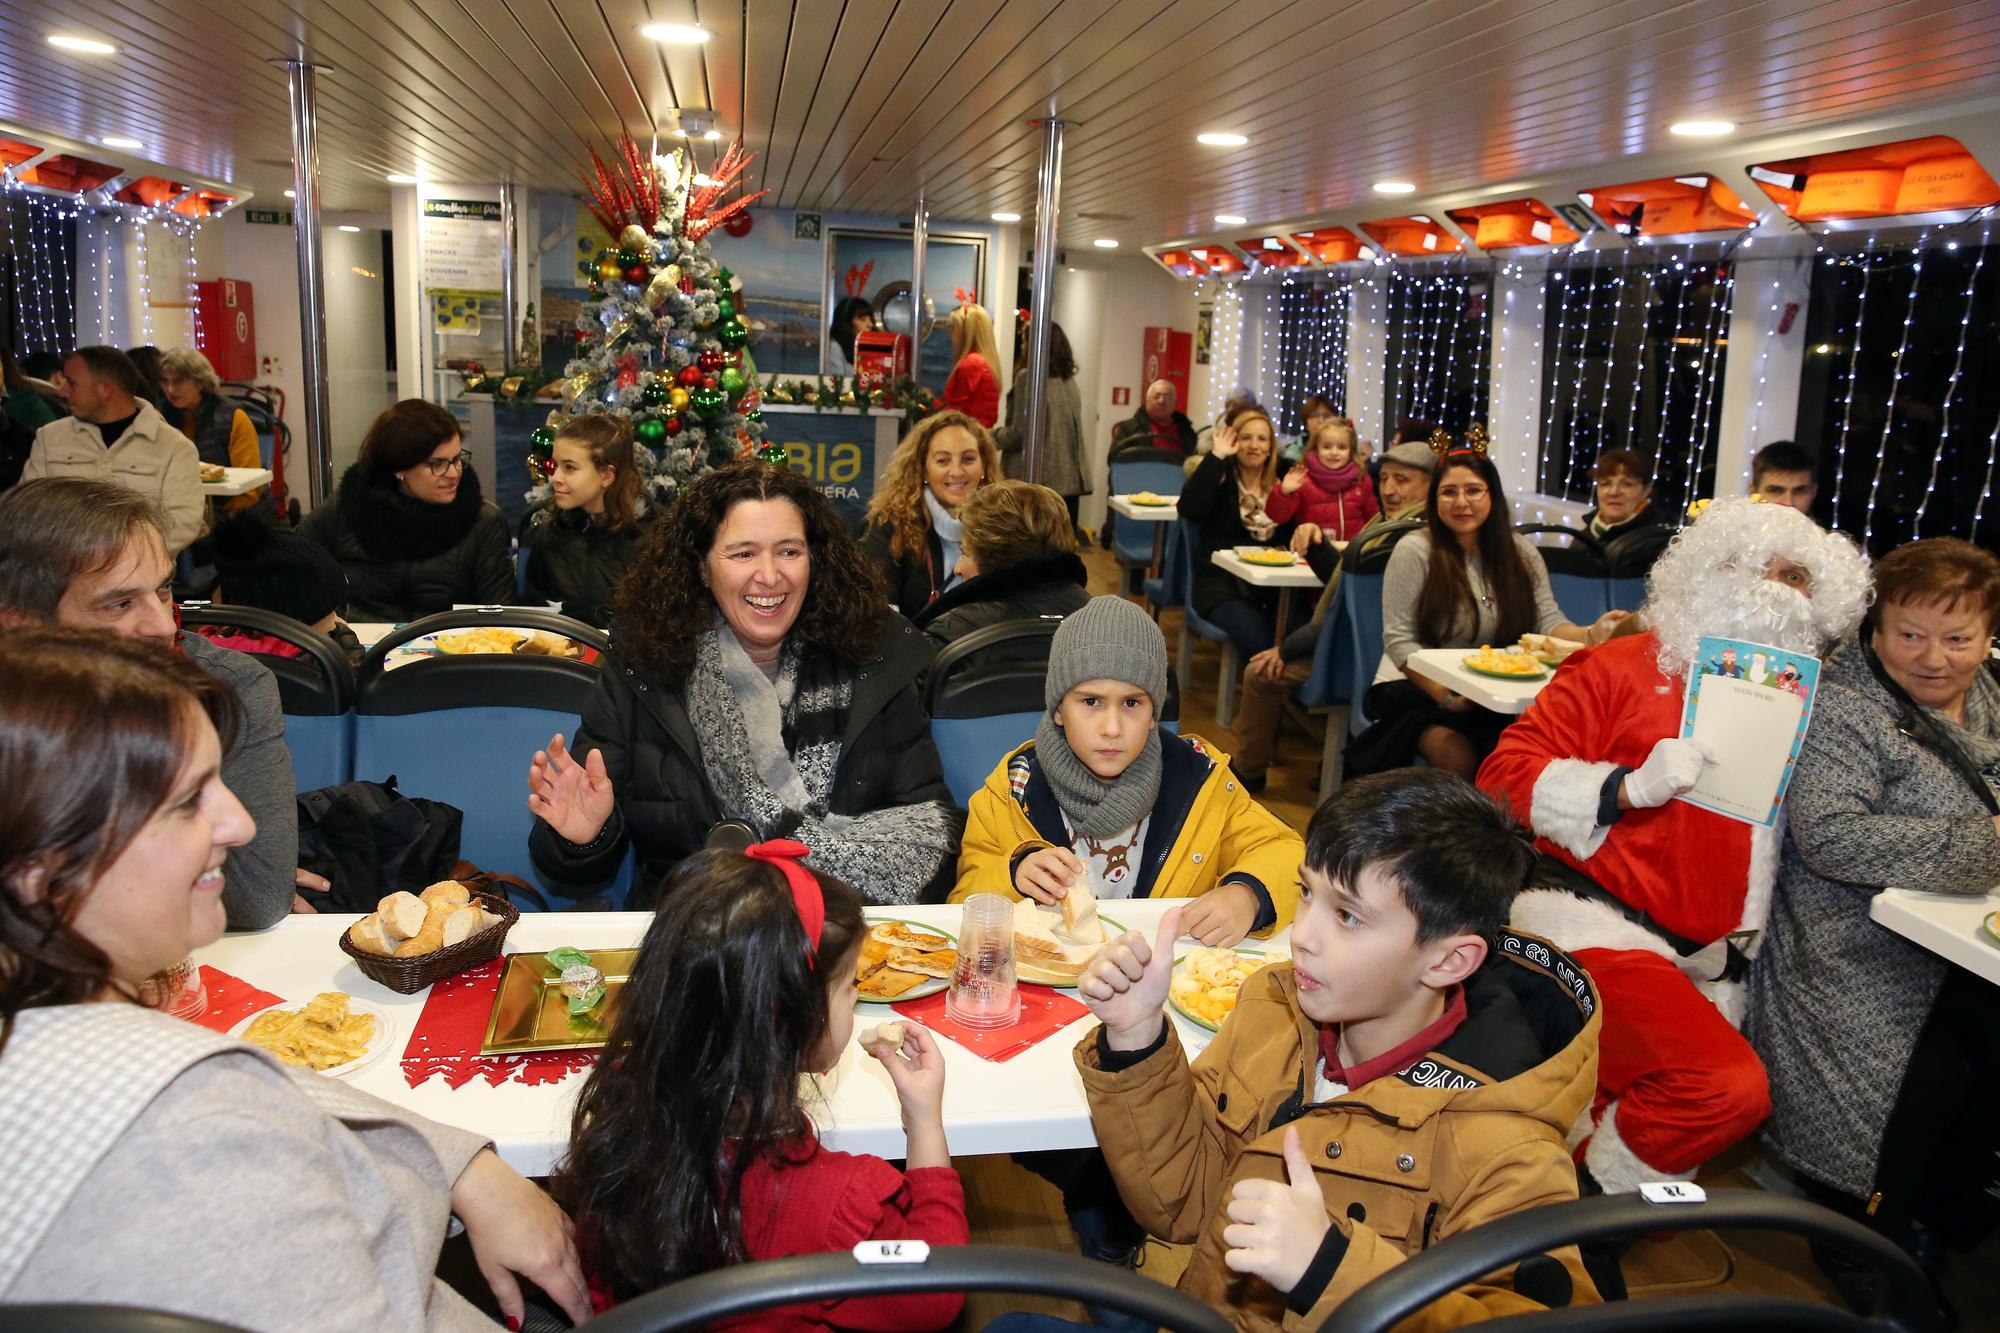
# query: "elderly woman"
x,y
913,533
1624,495
1019,562
131,1131
409,526
222,432
1882,1056
759,680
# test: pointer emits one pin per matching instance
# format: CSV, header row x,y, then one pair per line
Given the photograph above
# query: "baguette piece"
x,y
367,934
892,1033
403,915
446,893
428,940
461,924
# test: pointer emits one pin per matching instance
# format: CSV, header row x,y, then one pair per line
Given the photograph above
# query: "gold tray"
x,y
529,1013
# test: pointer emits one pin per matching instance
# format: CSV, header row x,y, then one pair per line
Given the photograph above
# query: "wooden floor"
x,y
1009,1205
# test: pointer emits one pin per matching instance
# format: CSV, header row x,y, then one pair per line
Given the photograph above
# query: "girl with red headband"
x,y
691,1148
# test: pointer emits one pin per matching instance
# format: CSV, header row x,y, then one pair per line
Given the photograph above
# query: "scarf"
x,y
1979,738
1096,808
771,750
1250,509
1332,480
951,536
399,527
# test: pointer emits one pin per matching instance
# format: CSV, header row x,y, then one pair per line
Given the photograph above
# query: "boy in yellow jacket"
x,y
1103,796
1409,1074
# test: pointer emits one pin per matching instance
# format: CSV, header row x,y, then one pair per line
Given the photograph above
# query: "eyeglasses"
x,y
439,466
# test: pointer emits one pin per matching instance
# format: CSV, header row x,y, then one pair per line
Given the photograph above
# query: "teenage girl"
x,y
691,1148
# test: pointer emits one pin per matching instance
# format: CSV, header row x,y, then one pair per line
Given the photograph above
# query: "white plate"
x,y
923,988
385,1032
1180,970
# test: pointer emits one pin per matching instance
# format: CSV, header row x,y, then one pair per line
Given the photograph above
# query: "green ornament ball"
x,y
732,382
628,257
651,432
655,393
541,439
725,308
755,416
773,452
732,333
709,404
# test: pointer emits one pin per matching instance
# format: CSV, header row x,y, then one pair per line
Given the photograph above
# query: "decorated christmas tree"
x,y
660,341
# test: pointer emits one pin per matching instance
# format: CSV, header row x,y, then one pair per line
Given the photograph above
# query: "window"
x,y
1312,347
1440,336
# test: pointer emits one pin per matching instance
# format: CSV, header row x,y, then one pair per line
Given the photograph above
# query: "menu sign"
x,y
461,245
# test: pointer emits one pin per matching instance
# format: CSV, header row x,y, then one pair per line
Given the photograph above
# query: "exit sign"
x,y
269,217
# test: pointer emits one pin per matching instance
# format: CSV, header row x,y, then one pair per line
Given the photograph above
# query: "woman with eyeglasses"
x,y
409,525
1467,579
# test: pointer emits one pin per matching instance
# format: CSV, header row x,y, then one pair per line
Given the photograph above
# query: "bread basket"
x,y
407,976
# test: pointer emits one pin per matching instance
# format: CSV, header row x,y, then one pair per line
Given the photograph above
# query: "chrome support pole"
x,y
509,336
312,275
1041,298
920,242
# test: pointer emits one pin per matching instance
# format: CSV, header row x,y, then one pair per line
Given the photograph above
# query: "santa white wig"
x,y
1712,580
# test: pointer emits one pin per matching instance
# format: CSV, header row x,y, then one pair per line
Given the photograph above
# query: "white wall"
x,y
358,381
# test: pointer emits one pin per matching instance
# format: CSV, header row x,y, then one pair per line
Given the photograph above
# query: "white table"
x,y
1284,578
1446,666
238,481
1947,924
1033,1101
1160,515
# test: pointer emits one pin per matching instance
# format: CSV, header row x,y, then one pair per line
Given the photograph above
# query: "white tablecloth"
x,y
1032,1101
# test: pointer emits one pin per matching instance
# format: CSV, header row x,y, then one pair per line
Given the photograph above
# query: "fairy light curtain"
x,y
1633,357
1898,392
1311,352
38,272
1440,339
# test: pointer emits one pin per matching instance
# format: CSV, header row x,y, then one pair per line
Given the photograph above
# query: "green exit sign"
x,y
269,217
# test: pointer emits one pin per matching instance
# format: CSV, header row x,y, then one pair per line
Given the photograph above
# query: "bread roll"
x,y
429,940
446,893
367,934
403,915
461,924
892,1033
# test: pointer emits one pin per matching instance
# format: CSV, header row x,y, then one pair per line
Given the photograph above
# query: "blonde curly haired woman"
x,y
974,386
913,531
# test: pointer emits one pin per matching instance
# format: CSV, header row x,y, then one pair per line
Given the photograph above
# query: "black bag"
x,y
369,840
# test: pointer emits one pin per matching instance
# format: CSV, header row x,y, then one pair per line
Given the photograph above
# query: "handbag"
x,y
369,840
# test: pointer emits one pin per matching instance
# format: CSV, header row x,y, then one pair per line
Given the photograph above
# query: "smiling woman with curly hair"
x,y
756,678
913,531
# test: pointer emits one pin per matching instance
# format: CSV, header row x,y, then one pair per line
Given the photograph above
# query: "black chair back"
x,y
319,684
102,1319
1583,557
1630,555
1012,676
809,1279
1370,554
481,680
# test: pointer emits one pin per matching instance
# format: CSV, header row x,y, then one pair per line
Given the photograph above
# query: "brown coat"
x,y
1472,1132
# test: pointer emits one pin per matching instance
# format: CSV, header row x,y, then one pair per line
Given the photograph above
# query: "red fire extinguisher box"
x,y
1166,356
880,358
226,322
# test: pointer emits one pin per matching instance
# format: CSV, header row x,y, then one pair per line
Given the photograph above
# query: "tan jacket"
x,y
1472,1132
151,457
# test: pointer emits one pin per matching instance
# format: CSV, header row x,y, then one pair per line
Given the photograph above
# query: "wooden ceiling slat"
x,y
722,60
907,31
808,51
864,26
767,28
673,74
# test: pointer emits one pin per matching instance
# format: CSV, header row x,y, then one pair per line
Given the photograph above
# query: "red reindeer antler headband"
x,y
856,277
964,297
787,854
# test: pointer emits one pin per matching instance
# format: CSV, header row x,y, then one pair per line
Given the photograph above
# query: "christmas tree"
x,y
660,341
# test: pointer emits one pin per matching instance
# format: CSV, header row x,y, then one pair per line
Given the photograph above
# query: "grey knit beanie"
x,y
1109,639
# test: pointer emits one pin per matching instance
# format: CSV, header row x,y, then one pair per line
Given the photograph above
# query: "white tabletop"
x,y
1295,575
1446,666
1945,923
1125,507
238,481
1033,1101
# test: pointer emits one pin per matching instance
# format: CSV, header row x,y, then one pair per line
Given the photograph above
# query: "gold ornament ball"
x,y
608,271
634,238
677,399
658,288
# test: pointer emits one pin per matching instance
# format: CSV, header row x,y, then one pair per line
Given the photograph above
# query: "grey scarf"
x,y
1096,808
1979,738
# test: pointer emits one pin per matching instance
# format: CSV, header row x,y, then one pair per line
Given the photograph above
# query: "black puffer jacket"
x,y
664,802
914,580
1052,586
1210,502
404,559
577,562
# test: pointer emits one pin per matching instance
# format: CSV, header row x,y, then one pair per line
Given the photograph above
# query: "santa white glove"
x,y
1672,768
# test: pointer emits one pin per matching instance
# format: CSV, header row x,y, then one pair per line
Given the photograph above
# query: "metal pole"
x,y
508,337
1041,297
920,242
312,275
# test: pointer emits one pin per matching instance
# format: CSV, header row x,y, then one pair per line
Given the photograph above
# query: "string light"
x,y
1721,289
1673,342
1576,389
1562,338
1951,391
1853,364
1895,391
1763,378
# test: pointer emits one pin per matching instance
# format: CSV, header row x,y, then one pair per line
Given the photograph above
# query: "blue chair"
x,y
1194,626
1169,589
1363,595
1578,574
1134,470
463,729
521,572
315,690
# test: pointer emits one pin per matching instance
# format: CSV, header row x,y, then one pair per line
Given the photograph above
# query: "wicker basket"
x,y
410,975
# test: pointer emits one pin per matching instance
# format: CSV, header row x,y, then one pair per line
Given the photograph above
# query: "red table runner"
x,y
453,1023
231,999
1044,1012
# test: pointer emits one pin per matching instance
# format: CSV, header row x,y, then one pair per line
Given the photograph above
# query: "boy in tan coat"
x,y
1410,1074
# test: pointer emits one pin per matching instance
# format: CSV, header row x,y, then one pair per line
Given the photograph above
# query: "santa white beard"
x,y
1736,605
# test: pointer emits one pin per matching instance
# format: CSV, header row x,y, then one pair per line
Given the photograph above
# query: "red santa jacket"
x,y
1697,873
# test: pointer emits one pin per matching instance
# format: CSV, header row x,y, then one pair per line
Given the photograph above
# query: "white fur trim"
x,y
1574,923
1760,881
1563,805
1616,1168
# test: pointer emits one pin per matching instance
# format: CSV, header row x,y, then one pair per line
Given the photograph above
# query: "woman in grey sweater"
x,y
150,1162
1882,1057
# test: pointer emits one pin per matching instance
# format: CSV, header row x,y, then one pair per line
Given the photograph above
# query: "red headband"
x,y
787,854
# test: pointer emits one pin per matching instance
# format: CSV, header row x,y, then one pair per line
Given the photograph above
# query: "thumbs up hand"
x,y
1275,1230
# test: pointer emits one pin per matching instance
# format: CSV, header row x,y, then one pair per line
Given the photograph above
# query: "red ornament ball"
x,y
739,224
673,429
582,336
636,275
710,360
708,381
689,377
687,286
548,467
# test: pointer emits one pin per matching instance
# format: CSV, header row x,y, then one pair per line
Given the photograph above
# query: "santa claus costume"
x,y
1659,899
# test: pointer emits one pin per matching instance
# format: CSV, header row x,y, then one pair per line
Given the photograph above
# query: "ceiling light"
x,y
88,46
345,227
291,194
675,34
1395,187
1105,243
1006,217
1222,139
1230,219
713,136
1702,129
400,178
120,141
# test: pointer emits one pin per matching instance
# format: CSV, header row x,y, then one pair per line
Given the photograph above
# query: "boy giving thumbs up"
x,y
1410,1073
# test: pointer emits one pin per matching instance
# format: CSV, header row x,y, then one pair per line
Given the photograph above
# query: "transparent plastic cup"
x,y
176,991
984,993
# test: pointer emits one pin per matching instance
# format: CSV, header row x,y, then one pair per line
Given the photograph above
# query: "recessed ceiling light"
x,y
345,227
1702,129
1222,139
1395,187
291,194
713,136
675,34
1230,219
88,46
121,141
400,178
1105,243
1006,217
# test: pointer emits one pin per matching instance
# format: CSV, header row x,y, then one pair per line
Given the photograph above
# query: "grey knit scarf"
x,y
1979,738
1096,808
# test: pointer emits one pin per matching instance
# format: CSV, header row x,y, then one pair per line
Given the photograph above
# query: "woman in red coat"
x,y
973,388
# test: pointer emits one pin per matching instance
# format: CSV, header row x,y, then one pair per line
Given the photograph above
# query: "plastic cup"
x,y
176,991
984,993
